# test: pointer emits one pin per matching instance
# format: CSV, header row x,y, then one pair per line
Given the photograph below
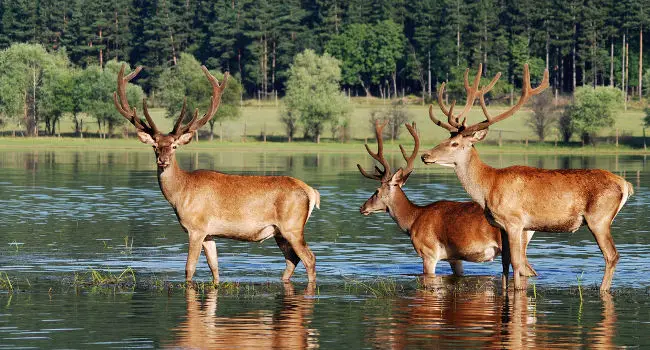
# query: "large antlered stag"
x,y
521,198
212,204
443,230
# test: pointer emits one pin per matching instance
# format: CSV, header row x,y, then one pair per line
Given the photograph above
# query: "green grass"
x,y
265,116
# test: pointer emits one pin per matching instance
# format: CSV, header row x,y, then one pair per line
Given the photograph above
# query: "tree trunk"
x,y
212,131
611,65
627,72
395,84
641,62
623,64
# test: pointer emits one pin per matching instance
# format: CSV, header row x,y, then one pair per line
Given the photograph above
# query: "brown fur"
x,y
521,198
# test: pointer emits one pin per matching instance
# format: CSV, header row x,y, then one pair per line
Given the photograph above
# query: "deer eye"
x,y
454,144
174,146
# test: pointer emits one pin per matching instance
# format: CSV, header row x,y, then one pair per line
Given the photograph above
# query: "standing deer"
x,y
212,204
443,230
521,198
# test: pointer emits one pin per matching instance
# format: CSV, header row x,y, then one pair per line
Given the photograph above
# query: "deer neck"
x,y
172,180
403,211
475,176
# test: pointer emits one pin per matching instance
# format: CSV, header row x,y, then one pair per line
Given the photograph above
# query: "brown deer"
x,y
212,204
443,230
521,198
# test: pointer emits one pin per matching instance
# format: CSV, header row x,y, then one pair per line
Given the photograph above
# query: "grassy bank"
x,y
258,119
355,146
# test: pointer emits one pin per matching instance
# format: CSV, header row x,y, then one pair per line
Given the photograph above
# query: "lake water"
x,y
64,214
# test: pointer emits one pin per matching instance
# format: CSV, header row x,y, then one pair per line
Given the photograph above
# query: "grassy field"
x,y
256,119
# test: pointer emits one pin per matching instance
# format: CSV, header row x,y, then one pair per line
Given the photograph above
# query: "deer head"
x,y
391,184
456,149
165,145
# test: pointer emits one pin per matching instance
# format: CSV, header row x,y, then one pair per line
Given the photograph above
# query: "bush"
x,y
593,109
396,115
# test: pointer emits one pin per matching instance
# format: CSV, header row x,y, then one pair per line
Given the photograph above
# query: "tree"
x,y
593,109
544,115
369,53
313,92
397,114
23,68
186,80
58,98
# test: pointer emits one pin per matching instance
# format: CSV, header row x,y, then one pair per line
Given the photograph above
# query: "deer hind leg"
x,y
290,257
456,267
193,253
210,250
529,271
600,228
297,241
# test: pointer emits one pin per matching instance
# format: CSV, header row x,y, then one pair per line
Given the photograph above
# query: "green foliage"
x,y
593,109
24,68
646,118
369,53
186,80
314,94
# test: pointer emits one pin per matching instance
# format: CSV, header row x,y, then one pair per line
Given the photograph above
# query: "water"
x,y
63,212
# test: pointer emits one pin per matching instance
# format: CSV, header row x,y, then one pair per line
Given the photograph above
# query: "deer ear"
x,y
185,138
146,138
478,136
399,178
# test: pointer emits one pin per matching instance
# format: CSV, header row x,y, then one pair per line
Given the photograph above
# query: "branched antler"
x,y
122,105
379,174
410,159
455,125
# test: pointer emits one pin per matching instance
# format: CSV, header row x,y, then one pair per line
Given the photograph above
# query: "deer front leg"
x,y
193,253
517,258
210,250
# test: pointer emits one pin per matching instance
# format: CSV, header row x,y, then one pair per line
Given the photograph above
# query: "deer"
x,y
521,198
210,204
442,230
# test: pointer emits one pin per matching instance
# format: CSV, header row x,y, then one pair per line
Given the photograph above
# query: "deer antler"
x,y
215,100
409,160
379,156
454,124
122,104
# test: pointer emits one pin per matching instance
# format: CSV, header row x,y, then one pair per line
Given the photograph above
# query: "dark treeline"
x,y
582,42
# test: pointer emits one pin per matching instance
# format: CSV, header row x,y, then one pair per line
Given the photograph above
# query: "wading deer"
x,y
443,230
521,198
212,204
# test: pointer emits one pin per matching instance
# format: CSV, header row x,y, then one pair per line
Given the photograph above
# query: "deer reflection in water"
x,y
452,312
286,327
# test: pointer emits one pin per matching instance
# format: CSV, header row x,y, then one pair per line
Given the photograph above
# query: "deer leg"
x,y
429,265
290,257
297,242
505,260
456,267
193,255
601,231
517,257
529,271
210,250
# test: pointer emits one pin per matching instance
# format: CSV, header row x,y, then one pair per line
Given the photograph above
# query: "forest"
x,y
386,47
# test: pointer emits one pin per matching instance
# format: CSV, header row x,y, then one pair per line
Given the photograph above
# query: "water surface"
x,y
63,212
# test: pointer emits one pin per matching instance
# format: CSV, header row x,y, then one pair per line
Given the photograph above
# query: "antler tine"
x,y
122,103
217,90
409,160
526,93
440,123
179,121
379,156
145,110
